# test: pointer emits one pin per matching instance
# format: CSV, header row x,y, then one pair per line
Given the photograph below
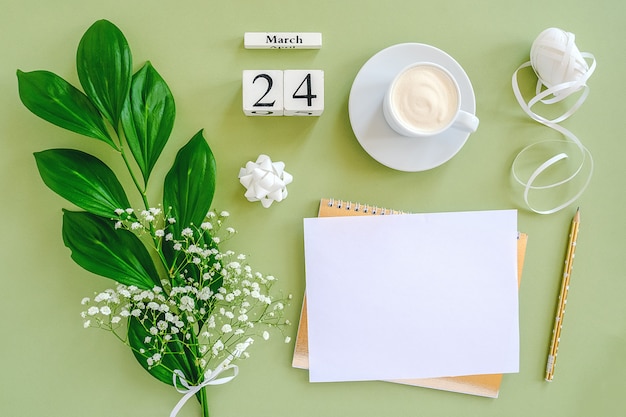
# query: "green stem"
x,y
204,403
142,190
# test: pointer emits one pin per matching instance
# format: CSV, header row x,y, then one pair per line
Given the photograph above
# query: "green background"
x,y
51,366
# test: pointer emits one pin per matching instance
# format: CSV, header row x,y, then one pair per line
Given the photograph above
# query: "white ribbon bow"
x,y
563,70
210,377
265,181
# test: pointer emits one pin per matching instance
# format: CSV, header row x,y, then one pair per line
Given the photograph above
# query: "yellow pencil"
x,y
560,311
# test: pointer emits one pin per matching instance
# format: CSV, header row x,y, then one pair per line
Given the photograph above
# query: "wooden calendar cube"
x,y
262,92
303,92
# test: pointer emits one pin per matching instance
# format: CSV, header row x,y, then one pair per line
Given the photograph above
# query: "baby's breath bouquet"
x,y
186,309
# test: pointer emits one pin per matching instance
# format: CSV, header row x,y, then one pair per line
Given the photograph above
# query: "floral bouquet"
x,y
186,309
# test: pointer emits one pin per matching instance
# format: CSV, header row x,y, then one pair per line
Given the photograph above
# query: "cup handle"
x,y
466,121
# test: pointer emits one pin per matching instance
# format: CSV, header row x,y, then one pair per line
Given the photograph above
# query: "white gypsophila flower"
x,y
217,347
224,214
86,323
136,226
230,230
105,310
93,310
159,233
227,328
266,335
205,293
287,339
103,296
85,300
119,211
206,226
187,232
116,319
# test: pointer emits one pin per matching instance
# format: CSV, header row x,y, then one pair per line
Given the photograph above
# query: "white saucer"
x,y
369,124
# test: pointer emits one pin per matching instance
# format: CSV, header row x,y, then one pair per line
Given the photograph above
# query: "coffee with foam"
x,y
425,98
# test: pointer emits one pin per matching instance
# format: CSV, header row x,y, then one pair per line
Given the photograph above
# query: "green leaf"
x,y
82,179
55,100
190,184
148,117
175,356
104,65
100,248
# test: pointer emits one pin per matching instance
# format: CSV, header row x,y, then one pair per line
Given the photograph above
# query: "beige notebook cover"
x,y
481,385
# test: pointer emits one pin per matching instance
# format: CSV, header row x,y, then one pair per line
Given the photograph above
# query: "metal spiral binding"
x,y
348,205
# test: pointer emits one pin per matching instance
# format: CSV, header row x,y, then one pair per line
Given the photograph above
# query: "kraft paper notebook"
x,y
481,385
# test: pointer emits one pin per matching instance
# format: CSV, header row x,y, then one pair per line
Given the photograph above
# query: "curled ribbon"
x,y
210,378
563,70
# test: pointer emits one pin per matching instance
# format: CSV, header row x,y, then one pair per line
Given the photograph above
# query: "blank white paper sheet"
x,y
412,296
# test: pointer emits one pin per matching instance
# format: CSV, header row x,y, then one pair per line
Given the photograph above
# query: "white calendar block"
x,y
303,92
262,92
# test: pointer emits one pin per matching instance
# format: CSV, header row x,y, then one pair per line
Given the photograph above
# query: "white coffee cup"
x,y
424,100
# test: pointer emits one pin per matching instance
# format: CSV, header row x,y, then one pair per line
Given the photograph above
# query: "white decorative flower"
x,y
186,303
265,181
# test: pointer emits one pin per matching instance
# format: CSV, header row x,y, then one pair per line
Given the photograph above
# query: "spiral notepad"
x,y
481,385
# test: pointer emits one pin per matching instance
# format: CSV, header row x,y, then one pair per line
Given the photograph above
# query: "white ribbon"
x,y
210,377
563,70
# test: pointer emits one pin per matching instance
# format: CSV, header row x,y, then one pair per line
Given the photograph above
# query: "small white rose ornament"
x,y
265,181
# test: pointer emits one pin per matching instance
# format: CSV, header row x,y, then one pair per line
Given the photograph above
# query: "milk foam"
x,y
425,98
